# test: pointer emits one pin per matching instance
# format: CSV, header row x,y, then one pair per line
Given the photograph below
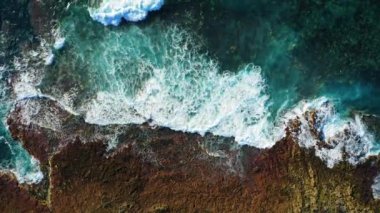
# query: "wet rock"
x,y
160,170
15,198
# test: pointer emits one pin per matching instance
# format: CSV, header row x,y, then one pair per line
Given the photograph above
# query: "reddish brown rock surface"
x,y
16,198
159,170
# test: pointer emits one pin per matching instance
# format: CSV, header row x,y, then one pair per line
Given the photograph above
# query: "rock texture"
x,y
17,198
159,170
145,169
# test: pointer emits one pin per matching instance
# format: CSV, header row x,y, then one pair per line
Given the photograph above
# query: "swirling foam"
x,y
28,72
332,136
159,74
163,78
26,168
376,187
185,91
111,12
21,164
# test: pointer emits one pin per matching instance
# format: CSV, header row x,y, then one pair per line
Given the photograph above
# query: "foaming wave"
x,y
317,124
180,88
185,91
28,71
24,167
20,163
111,12
159,74
226,105
27,170
376,187
30,68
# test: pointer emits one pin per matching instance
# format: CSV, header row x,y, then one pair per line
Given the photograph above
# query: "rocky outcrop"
x,y
17,198
159,170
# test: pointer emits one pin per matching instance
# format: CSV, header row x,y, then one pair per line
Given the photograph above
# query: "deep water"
x,y
195,60
305,48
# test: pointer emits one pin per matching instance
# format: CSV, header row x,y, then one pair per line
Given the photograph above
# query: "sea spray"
x,y
332,136
27,72
161,75
183,90
231,105
111,12
376,187
141,87
25,167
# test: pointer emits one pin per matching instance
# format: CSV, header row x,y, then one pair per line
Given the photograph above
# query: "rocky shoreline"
x,y
152,169
141,168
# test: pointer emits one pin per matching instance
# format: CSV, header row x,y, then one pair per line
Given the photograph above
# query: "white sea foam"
x,y
111,12
32,112
29,174
59,40
376,187
331,135
49,59
59,43
225,105
25,168
185,90
189,93
29,69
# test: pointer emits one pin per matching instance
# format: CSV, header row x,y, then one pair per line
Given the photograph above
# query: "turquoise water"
x,y
12,156
306,49
232,68
15,30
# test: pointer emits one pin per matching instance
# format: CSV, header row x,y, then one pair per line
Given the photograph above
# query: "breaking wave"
x,y
176,86
27,72
317,124
376,187
19,162
111,12
186,91
160,75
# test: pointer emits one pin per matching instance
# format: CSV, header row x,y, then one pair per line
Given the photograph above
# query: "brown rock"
x,y
15,198
160,170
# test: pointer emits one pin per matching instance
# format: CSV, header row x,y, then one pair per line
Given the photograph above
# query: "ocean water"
x,y
15,31
241,69
13,157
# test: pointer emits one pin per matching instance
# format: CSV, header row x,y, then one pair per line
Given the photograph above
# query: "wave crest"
x,y
111,12
317,124
187,92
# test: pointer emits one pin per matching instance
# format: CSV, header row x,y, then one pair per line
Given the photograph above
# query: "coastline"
x,y
157,169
